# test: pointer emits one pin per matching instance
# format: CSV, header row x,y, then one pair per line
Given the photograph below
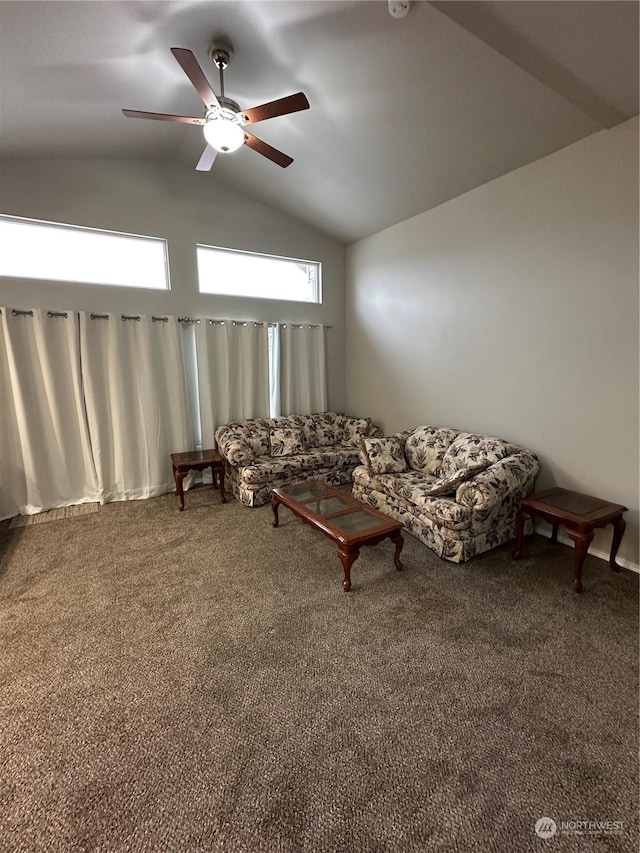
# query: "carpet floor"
x,y
53,515
199,681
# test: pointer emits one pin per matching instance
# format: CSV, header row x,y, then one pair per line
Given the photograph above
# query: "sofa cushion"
x,y
391,484
286,441
448,485
417,489
426,446
354,429
268,468
383,455
322,430
410,497
471,449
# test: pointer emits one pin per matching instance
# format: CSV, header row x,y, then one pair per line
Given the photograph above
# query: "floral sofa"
x,y
457,492
260,454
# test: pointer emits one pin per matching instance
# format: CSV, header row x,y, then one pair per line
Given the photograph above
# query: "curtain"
x,y
301,369
138,407
92,406
233,373
45,452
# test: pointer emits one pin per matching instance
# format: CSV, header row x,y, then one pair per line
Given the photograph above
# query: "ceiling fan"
x,y
224,122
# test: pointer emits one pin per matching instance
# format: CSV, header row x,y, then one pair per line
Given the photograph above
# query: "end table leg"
x,y
180,475
399,542
521,517
274,506
219,473
347,558
582,541
618,531
554,533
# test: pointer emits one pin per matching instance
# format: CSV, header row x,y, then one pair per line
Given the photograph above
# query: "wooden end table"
x,y
580,514
197,460
342,518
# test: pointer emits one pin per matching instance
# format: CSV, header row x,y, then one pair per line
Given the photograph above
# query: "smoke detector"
x,y
399,8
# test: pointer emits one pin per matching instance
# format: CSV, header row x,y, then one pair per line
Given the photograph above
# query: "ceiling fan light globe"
x,y
223,135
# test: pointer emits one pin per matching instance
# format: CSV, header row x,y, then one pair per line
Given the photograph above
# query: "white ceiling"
x,y
405,113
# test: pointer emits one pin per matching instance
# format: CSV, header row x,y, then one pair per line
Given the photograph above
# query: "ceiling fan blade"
x,y
267,150
163,117
281,107
206,161
193,71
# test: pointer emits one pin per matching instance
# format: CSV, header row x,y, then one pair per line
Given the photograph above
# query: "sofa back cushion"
x,y
260,436
321,429
353,429
286,441
425,448
469,449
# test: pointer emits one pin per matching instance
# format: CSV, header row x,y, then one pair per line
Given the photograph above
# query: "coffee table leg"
x,y
275,503
396,537
348,558
582,541
618,530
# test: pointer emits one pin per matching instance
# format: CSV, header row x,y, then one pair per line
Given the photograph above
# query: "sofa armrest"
x,y
232,448
512,475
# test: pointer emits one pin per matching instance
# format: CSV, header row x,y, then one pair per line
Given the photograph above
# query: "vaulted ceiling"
x,y
405,114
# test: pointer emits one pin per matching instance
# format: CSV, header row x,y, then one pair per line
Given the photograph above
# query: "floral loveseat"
x,y
455,491
260,454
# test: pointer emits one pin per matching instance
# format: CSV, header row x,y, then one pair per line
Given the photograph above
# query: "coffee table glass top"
x,y
344,512
356,521
303,491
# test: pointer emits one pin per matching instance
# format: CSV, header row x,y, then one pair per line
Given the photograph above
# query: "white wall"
x,y
170,200
513,310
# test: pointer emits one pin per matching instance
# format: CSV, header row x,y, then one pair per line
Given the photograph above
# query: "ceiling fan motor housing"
x,y
220,53
228,104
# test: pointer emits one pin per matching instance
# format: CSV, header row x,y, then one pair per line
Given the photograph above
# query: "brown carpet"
x,y
53,515
199,681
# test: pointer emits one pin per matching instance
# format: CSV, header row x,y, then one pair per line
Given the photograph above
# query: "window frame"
x,y
68,227
264,255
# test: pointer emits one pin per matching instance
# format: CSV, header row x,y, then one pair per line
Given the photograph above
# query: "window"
x,y
234,273
52,251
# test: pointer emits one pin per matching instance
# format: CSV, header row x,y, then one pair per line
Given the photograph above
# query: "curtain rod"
x,y
252,323
258,323
137,317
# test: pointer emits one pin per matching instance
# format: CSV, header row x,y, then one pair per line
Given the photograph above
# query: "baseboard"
x,y
545,530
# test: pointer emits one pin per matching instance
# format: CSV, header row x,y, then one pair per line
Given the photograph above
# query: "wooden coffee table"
x,y
580,514
341,518
197,460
